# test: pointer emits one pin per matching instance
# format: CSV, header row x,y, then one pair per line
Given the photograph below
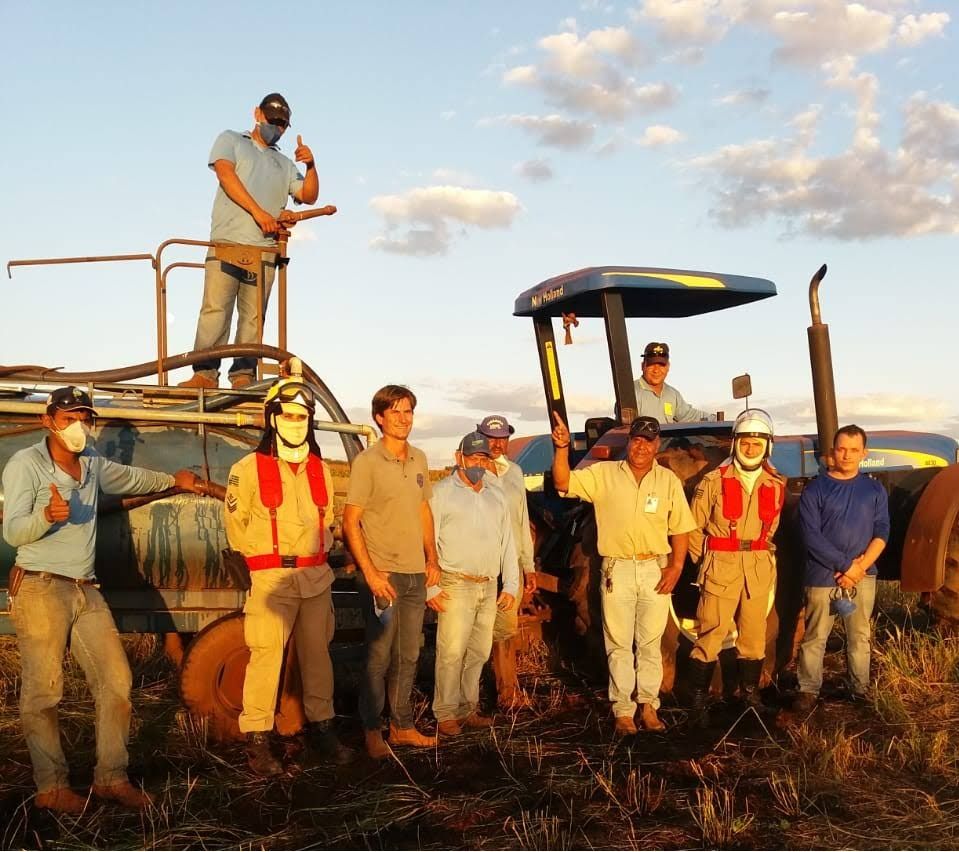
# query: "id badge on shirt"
x,y
668,409
652,504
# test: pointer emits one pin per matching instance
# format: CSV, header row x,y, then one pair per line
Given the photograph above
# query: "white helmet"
x,y
752,423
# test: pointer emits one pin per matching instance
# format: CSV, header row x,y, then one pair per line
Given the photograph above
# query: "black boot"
x,y
325,745
700,676
729,669
749,674
260,756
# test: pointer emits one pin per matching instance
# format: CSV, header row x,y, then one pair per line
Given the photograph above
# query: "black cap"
x,y
644,427
656,353
274,106
70,398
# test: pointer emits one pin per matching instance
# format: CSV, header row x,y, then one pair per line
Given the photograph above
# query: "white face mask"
x,y
747,464
74,437
291,444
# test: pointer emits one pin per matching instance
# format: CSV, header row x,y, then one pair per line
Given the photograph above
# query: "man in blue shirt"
x,y
474,545
654,398
844,516
255,180
50,491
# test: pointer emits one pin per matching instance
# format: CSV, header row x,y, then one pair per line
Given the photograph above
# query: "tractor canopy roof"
x,y
646,292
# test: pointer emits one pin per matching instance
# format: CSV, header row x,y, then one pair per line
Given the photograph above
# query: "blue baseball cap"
x,y
474,443
495,426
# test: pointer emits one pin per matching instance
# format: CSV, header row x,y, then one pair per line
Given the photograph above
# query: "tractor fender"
x,y
931,549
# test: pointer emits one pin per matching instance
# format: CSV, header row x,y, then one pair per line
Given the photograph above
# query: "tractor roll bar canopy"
x,y
617,292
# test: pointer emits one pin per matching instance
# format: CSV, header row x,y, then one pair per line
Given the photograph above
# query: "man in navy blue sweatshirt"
x,y
844,516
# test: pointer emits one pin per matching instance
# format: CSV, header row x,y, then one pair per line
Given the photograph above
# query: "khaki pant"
x,y
735,592
274,610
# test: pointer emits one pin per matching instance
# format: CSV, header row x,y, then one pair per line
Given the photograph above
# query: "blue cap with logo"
x,y
495,426
474,443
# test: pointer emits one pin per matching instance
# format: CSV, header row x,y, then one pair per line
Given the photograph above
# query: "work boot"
x,y
260,756
729,671
649,719
238,381
198,381
323,742
61,800
805,703
125,794
700,676
448,728
749,673
625,726
504,670
476,721
410,737
376,746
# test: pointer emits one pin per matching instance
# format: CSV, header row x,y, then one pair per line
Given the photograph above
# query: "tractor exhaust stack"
x,y
820,361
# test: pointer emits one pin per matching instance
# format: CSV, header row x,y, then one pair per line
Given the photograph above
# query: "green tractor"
x,y
919,470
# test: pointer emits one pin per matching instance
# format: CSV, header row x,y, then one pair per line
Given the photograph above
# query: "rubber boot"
x,y
260,756
749,674
325,745
700,676
504,670
729,671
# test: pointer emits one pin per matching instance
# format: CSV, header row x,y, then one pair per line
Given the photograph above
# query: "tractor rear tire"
x,y
945,601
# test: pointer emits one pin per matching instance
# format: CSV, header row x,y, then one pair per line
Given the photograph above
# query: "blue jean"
x,y
819,624
47,615
223,285
392,651
464,639
634,613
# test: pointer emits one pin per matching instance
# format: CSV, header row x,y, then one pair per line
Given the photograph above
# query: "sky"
x,y
476,149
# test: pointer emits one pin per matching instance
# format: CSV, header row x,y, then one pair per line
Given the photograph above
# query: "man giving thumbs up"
x,y
50,514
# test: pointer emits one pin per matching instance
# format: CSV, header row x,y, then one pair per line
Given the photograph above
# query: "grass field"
x,y
877,776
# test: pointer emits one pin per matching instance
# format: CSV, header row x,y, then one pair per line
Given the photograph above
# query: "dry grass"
x,y
881,776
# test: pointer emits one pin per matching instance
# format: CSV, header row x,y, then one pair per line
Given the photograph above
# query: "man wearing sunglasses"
x,y
255,180
643,524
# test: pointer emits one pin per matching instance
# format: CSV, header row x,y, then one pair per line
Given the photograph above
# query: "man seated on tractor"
x,y
279,514
655,398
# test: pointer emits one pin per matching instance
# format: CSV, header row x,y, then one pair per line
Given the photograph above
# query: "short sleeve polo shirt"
x,y
633,517
391,491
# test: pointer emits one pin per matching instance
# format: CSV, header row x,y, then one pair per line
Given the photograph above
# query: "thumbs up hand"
x,y
303,153
58,509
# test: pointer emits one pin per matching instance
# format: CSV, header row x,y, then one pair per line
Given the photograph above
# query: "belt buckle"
x,y
288,562
745,545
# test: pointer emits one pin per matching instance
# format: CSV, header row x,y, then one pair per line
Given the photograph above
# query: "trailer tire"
x,y
212,673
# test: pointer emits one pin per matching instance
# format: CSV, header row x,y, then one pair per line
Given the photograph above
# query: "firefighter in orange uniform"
x,y
736,509
279,510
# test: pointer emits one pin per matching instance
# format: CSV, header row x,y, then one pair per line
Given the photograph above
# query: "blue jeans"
x,y
47,615
223,285
819,624
392,650
464,639
634,614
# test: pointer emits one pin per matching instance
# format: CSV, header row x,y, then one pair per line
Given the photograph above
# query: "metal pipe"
x,y
162,340
820,362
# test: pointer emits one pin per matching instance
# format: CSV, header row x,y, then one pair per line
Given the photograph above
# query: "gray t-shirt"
x,y
269,176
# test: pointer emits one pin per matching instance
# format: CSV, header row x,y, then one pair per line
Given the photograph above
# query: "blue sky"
x,y
476,149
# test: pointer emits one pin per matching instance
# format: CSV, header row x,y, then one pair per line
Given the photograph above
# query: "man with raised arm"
x,y
255,180
643,524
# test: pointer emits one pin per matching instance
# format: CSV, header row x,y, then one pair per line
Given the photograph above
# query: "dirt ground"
x,y
878,775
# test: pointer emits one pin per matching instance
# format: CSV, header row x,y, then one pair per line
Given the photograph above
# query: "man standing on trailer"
x,y
279,514
509,477
51,491
388,526
643,524
654,398
736,508
255,180
844,517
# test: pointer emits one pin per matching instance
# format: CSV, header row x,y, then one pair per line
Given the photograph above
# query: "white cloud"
x,y
745,97
551,130
448,114
534,170
688,21
914,29
419,222
659,135
877,410
454,176
302,233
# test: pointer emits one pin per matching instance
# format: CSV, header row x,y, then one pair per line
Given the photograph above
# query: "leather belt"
x,y
271,560
48,575
472,578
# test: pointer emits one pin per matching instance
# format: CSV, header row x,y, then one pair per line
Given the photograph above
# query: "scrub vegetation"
x,y
879,775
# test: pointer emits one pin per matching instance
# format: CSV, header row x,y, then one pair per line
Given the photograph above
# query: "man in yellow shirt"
x,y
643,524
279,510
